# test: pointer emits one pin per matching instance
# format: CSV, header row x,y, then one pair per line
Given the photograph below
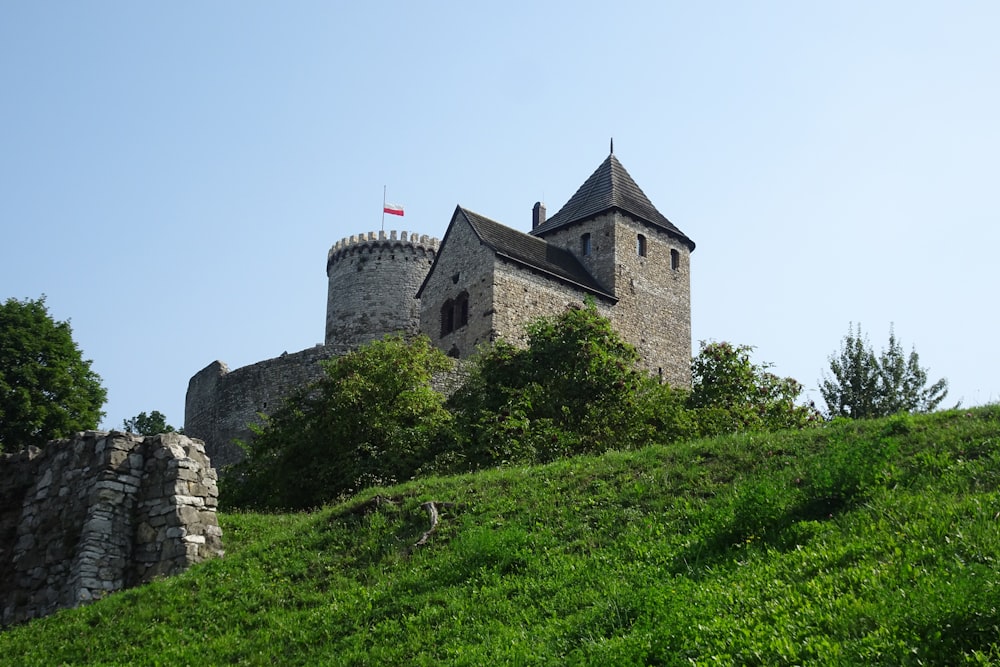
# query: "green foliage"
x,y
864,386
574,389
47,389
904,382
696,553
151,424
372,420
729,393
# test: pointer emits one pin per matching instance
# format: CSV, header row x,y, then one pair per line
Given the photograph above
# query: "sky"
x,y
172,175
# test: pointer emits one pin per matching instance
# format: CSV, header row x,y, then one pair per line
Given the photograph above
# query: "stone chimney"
x,y
537,215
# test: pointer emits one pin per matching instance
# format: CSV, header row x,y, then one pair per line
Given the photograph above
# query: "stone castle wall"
x,y
372,285
467,267
654,301
372,282
653,312
98,513
523,295
221,404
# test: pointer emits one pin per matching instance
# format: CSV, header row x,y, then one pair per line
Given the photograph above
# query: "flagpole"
x,y
383,208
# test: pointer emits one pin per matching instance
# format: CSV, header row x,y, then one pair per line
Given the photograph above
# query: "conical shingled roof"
x,y
610,187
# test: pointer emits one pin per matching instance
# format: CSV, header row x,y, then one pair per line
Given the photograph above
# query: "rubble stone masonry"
x,y
98,513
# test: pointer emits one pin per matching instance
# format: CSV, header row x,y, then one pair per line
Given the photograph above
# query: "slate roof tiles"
x,y
610,187
533,252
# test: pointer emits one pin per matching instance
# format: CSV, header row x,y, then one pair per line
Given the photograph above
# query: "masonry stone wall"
x,y
466,267
600,262
98,513
522,295
653,312
372,285
221,404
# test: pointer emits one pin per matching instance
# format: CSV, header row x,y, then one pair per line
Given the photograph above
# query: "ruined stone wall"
x,y
373,280
221,404
98,513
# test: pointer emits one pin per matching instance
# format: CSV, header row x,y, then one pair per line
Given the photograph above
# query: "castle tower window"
x,y
447,317
640,245
585,245
675,260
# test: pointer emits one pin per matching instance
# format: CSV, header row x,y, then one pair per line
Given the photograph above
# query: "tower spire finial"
x,y
612,145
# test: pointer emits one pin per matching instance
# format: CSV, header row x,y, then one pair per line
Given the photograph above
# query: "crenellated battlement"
x,y
350,245
373,280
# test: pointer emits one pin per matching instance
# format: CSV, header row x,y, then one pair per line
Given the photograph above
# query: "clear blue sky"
x,y
172,175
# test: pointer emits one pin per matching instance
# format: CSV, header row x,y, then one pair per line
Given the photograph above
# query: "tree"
x,y
151,424
854,389
573,389
373,419
47,389
864,385
731,393
904,381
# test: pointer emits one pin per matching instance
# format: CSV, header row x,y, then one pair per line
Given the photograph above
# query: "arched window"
x,y
640,245
454,313
675,260
585,245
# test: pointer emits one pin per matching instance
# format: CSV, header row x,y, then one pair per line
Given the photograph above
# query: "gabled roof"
x,y
526,250
610,187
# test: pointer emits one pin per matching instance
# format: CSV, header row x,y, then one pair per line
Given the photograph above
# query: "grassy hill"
x,y
857,543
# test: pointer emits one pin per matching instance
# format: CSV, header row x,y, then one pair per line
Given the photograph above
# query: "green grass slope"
x,y
857,543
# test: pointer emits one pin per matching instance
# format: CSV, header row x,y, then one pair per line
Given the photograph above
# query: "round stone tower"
x,y
373,283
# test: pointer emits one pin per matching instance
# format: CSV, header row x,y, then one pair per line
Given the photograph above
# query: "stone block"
x,y
145,533
196,501
176,532
45,480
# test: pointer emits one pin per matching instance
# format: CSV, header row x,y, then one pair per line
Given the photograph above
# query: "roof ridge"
x,y
532,251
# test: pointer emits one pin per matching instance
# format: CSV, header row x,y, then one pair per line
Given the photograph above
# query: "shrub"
x,y
730,393
372,420
574,389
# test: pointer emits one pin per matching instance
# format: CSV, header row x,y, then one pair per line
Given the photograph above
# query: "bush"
x,y
574,389
730,393
372,420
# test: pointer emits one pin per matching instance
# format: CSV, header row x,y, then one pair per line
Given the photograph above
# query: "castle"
x,y
482,281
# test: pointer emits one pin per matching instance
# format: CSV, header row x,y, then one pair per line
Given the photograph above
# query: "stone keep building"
x,y
481,282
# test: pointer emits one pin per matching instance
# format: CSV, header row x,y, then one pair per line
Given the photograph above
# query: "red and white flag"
x,y
392,209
